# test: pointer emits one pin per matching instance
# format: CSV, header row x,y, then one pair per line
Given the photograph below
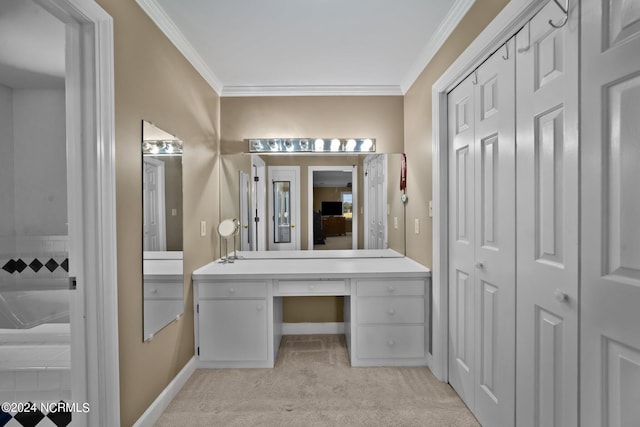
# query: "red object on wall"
x,y
403,172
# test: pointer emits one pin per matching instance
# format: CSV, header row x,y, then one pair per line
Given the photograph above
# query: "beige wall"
x,y
379,117
153,81
417,127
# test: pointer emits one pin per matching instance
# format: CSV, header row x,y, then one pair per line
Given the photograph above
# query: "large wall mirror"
x,y
346,201
162,229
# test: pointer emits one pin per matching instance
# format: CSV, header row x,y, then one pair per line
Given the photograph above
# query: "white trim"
x,y
354,209
313,328
155,410
448,25
173,33
93,115
505,25
312,90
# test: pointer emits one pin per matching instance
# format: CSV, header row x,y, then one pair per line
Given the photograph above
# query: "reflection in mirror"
x,y
162,229
244,198
281,209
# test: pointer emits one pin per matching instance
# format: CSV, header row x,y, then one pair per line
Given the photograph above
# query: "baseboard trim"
x,y
155,410
312,328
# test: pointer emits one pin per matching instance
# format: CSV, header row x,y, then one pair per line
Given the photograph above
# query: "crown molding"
x,y
171,31
312,90
448,25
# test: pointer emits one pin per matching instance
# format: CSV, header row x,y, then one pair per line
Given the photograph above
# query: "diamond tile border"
x,y
19,265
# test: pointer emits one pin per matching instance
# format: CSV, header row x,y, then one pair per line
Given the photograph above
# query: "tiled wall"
x,y
33,258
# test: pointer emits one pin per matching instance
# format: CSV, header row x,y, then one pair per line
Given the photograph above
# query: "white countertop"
x,y
162,267
316,254
311,268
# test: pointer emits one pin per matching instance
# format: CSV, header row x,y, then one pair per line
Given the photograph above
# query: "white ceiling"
x,y
308,47
32,46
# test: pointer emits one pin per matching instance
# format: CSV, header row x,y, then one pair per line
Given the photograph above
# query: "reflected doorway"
x,y
333,207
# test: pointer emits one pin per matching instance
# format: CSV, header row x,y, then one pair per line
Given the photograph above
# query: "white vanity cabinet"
x,y
239,317
390,317
232,323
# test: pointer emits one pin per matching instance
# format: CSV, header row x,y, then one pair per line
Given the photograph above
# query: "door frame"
x,y
259,203
504,26
90,117
159,201
354,195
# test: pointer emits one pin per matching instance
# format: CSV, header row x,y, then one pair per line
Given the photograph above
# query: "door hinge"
x,y
197,308
198,351
256,178
73,283
257,219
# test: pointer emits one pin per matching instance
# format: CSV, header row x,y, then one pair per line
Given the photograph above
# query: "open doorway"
x,y
333,200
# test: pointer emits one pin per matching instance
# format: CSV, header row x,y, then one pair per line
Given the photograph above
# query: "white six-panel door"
x,y
547,221
610,268
482,239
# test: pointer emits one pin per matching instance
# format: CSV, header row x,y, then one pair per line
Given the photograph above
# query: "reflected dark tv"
x,y
331,208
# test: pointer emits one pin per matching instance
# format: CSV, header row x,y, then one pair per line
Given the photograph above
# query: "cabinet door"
x,y
233,330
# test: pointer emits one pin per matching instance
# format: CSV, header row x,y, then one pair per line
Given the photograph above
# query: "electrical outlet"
x,y
417,226
203,228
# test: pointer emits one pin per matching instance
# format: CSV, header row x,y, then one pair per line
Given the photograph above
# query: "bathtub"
x,y
35,362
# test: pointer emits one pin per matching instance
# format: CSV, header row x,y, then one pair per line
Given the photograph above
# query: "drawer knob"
x,y
391,343
311,287
259,307
391,288
154,291
232,290
391,312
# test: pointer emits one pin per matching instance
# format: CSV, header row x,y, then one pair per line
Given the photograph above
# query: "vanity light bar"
x,y
312,145
160,147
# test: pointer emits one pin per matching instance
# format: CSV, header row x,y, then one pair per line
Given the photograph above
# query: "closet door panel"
x,y
495,238
462,295
610,273
547,221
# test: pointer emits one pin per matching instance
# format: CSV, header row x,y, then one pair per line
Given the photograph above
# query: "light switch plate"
x,y
203,228
395,222
430,208
417,226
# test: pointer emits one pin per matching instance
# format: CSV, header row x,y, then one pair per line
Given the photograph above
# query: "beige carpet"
x,y
335,242
313,385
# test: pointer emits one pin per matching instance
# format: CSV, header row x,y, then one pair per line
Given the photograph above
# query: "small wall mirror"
x,y
163,281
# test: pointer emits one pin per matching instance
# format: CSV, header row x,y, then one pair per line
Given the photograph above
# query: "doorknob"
x,y
480,265
561,296
293,226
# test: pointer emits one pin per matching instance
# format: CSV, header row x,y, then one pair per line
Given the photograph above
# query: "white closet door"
x,y
462,242
610,268
482,239
547,265
495,240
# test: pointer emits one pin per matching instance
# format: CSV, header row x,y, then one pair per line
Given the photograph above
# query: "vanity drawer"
x,y
390,310
390,287
389,342
233,290
311,287
163,290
